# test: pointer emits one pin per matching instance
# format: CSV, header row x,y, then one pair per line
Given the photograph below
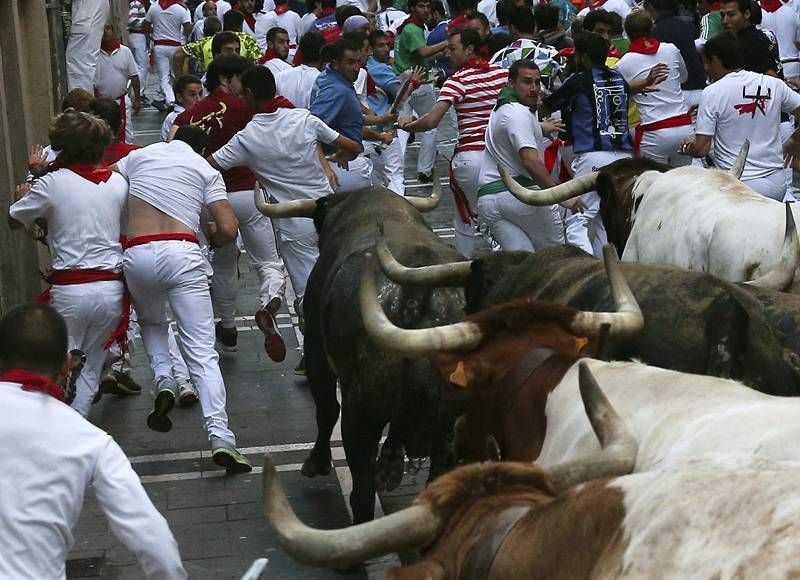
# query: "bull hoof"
x,y
389,469
313,467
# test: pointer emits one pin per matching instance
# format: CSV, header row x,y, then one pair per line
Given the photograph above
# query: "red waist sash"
x,y
166,42
641,129
142,240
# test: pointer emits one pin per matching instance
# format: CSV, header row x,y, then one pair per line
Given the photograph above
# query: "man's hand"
x,y
209,231
333,179
387,137
22,190
686,146
573,204
657,74
387,119
552,125
137,105
36,158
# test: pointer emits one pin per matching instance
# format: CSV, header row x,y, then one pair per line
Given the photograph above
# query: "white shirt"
x,y
511,128
168,24
173,179
489,9
113,71
197,30
83,219
290,21
222,7
296,83
784,23
166,126
56,455
667,101
756,120
385,18
621,7
362,5
305,22
277,65
280,148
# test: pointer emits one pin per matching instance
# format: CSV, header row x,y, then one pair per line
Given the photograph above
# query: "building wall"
x,y
26,96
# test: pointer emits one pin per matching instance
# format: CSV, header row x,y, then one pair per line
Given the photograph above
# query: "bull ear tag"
x,y
580,343
459,376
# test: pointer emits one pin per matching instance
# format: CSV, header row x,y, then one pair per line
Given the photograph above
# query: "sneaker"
x,y
108,384
424,177
300,369
187,394
158,420
227,337
160,105
77,359
273,341
126,385
225,455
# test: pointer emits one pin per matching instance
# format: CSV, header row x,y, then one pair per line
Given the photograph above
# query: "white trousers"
x,y
259,241
419,103
772,186
358,174
519,226
662,145
83,47
299,256
174,272
92,312
387,165
585,229
138,45
163,61
466,168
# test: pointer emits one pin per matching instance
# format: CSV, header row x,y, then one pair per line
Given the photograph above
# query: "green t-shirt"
x,y
711,24
405,48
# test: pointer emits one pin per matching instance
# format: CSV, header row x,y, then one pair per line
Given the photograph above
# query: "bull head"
x,y
466,336
422,523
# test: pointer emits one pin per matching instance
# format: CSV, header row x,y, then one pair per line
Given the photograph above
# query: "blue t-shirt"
x,y
324,22
436,36
334,100
385,78
594,106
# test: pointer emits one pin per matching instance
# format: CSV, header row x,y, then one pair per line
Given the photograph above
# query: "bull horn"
x,y
285,209
628,320
437,275
780,277
738,166
407,529
551,195
426,204
409,342
618,446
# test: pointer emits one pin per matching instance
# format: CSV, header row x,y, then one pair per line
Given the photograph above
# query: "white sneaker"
x,y
187,393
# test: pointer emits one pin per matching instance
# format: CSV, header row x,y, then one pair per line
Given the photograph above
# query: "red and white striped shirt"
x,y
473,92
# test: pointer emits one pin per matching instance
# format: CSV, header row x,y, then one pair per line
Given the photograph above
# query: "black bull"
x,y
377,388
694,322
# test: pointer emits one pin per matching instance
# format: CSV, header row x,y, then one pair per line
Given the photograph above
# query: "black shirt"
x,y
677,31
759,56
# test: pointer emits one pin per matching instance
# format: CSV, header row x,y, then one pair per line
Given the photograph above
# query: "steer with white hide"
x,y
517,366
699,219
506,521
376,389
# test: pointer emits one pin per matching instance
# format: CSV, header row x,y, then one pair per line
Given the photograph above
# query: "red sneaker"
x,y
273,341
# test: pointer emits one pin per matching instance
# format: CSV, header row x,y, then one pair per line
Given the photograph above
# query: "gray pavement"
x,y
217,519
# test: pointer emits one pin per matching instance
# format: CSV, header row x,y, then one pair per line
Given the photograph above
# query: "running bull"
x,y
376,389
699,219
694,322
517,366
503,521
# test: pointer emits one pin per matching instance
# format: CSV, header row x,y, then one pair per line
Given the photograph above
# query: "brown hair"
x,y
78,99
81,137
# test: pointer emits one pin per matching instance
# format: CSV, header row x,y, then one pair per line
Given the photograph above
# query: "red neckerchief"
x,y
33,382
715,6
94,173
117,151
251,21
597,4
410,20
111,46
644,45
165,4
455,22
372,88
476,62
267,56
613,52
281,8
274,104
326,11
770,5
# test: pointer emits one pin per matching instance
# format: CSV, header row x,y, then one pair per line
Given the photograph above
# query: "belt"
x,y
136,32
641,129
86,276
166,43
142,240
499,185
788,60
